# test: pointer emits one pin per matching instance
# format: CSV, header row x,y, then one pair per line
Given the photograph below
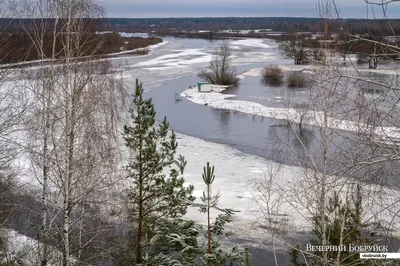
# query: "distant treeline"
x,y
17,45
285,24
241,23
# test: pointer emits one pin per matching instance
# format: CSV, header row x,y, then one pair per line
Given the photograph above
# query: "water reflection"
x,y
224,116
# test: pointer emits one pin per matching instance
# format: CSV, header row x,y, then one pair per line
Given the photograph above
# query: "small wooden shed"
x,y
204,86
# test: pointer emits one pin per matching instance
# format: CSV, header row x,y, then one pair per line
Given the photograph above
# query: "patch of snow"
x,y
134,34
126,34
151,47
276,34
252,43
255,72
26,249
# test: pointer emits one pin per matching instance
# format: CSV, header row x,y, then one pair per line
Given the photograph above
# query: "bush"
x,y
297,80
220,69
272,75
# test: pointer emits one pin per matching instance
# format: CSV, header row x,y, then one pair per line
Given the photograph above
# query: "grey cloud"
x,y
195,8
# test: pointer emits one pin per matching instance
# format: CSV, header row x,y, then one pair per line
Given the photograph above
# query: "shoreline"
x,y
313,118
116,55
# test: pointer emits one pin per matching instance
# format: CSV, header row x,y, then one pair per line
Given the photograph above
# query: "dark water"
x,y
254,89
262,136
243,131
259,135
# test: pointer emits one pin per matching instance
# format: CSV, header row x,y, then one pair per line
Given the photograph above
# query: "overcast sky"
x,y
236,8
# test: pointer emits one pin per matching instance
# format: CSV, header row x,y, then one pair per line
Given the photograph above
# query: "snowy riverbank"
x,y
150,47
224,101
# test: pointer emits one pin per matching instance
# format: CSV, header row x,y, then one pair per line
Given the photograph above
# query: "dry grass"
x,y
273,75
296,80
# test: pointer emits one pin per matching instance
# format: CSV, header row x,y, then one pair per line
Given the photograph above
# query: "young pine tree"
x,y
158,199
215,230
344,227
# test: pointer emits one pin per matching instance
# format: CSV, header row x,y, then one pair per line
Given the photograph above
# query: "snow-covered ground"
x,y
25,249
20,246
235,175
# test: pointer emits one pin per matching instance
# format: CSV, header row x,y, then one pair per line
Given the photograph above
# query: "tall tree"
x,y
296,48
154,194
73,141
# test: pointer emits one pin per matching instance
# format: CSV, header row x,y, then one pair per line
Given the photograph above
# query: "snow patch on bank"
x,y
223,101
150,47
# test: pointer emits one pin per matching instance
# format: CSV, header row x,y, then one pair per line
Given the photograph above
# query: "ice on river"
x,y
236,173
259,43
181,58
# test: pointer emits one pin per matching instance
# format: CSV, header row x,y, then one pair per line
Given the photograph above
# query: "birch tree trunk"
x,y
74,131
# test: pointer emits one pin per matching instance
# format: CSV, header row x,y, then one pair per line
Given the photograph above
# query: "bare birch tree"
x,y
74,140
380,120
330,175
